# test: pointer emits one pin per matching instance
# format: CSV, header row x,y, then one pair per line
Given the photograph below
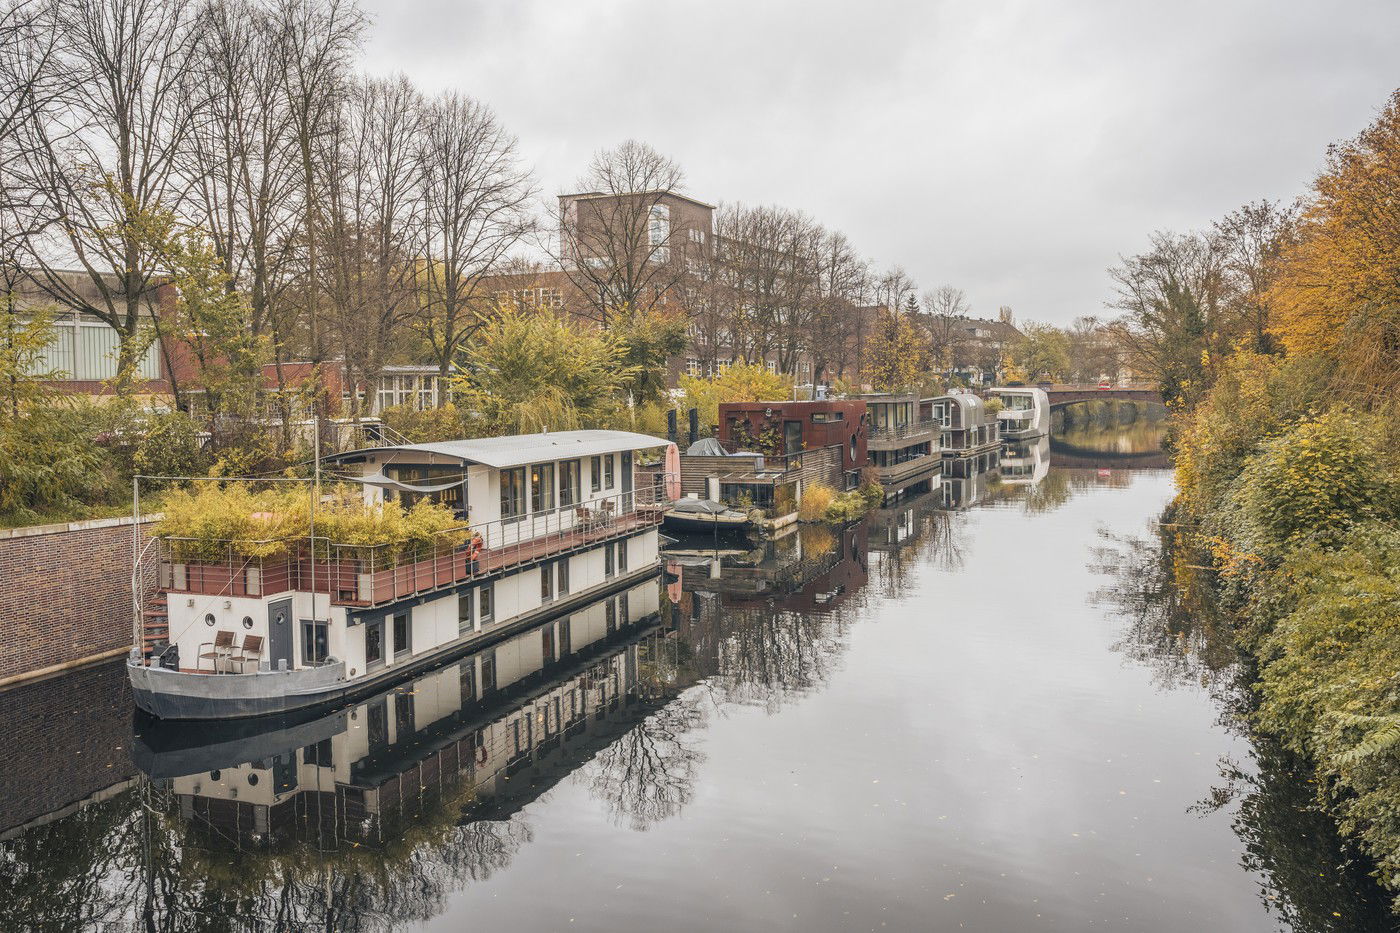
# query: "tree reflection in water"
x,y
1308,877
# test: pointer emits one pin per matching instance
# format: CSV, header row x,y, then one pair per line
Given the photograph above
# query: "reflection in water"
x,y
1310,879
387,814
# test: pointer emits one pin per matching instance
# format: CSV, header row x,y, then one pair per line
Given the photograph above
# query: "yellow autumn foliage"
x,y
216,521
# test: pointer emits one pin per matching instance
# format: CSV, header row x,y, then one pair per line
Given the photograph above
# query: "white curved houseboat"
x,y
1025,411
552,522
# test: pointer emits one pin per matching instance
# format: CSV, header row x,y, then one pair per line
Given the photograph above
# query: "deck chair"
x,y
220,649
252,651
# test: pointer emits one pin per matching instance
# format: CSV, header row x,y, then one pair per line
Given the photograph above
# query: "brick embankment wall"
x,y
65,596
67,740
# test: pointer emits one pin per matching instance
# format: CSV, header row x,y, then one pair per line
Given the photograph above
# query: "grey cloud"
x,y
1013,149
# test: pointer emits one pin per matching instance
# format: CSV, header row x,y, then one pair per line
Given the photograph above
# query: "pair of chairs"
x,y
224,653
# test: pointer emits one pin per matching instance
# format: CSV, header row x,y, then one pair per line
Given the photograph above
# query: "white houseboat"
x,y
1025,411
966,427
550,522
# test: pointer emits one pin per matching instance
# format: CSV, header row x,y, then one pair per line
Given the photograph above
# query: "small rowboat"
x,y
703,515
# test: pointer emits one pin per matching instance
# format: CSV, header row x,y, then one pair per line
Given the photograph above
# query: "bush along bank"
x,y
1298,502
823,504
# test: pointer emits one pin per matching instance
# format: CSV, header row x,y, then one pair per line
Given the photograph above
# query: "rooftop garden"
x,y
213,521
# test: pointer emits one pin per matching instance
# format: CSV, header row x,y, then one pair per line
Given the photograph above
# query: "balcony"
x,y
364,576
901,435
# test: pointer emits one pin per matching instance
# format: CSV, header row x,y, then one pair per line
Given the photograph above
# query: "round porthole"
x,y
209,618
252,780
280,618
247,621
213,775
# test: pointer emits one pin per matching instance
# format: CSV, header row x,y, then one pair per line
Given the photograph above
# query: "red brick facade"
x,y
66,594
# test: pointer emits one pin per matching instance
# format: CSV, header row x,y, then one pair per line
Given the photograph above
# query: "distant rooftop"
x,y
595,195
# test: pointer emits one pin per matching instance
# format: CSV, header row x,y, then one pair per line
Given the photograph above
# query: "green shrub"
x,y
214,520
816,500
1328,682
1312,484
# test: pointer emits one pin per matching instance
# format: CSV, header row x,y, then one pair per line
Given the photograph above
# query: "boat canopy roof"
x,y
699,507
522,449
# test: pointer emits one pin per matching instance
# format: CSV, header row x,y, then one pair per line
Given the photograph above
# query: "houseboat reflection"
x,y
477,734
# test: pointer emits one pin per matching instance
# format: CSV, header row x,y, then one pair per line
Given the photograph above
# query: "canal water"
x,y
987,707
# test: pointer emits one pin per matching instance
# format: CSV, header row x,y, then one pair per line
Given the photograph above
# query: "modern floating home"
x,y
967,428
1025,411
550,522
766,454
904,440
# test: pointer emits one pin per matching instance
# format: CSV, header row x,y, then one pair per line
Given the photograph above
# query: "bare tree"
x,y
369,197
947,324
1251,240
27,84
317,39
474,196
99,156
616,241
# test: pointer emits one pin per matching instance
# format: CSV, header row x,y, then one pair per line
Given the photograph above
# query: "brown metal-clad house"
x,y
767,453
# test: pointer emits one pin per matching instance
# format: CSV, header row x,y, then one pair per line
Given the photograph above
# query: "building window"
x,y
542,487
692,367
464,612
512,493
570,492
658,225
609,475
824,417
622,556
403,635
595,473
485,608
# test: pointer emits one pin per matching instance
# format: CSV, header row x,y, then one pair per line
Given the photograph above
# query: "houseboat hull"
x,y
184,695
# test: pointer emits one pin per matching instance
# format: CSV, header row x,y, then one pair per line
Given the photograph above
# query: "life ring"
x,y
474,548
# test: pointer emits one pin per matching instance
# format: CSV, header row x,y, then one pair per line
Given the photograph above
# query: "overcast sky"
x,y
1011,149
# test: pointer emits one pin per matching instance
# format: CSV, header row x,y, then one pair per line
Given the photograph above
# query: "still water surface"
x,y
983,708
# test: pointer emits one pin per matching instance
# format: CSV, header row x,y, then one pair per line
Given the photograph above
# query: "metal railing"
x,y
369,575
910,429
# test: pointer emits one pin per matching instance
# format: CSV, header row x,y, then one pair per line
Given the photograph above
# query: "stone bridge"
x,y
1069,394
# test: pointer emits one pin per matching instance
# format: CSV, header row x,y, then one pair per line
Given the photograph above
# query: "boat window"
x,y
374,642
464,612
403,634
563,573
542,487
512,493
595,473
547,639
487,597
546,583
609,564
315,641
609,474
569,488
